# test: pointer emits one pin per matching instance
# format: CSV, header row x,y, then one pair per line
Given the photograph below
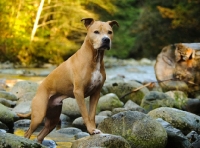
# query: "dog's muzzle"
x,y
105,43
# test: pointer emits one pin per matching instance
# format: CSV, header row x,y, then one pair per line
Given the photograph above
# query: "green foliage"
x,y
145,27
162,23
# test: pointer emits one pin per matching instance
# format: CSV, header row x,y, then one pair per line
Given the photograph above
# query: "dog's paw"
x,y
96,131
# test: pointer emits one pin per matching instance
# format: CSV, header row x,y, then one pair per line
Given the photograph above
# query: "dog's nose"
x,y
105,40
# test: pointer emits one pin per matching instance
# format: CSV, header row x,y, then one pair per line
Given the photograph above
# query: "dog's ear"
x,y
112,23
87,21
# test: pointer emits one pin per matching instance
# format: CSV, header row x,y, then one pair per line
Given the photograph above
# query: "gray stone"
x,y
78,122
8,140
101,140
139,129
6,116
179,119
122,88
109,101
69,131
24,90
23,107
81,135
8,95
7,103
175,137
194,138
105,113
155,100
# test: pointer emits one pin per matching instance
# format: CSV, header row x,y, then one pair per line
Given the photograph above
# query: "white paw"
x,y
96,131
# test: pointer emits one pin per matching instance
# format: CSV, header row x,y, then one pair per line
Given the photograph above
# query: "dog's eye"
x,y
109,32
96,32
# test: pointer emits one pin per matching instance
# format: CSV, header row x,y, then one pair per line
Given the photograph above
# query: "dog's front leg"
x,y
92,110
79,95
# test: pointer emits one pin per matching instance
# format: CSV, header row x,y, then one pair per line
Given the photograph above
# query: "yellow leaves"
x,y
166,12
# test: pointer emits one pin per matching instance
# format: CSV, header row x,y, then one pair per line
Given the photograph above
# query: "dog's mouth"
x,y
104,47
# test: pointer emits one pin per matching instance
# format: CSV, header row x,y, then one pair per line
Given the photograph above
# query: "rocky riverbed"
x,y
147,118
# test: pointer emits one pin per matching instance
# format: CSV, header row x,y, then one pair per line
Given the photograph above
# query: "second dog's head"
x,y
99,33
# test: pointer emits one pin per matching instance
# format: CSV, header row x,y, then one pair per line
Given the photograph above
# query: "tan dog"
x,y
82,75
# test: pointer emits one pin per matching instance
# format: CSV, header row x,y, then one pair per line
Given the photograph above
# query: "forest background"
x,y
41,31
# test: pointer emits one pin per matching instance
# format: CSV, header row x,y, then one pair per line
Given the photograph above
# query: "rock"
x,y
118,110
155,100
179,119
71,108
105,113
176,138
6,116
7,103
49,143
193,106
122,88
145,61
130,105
23,107
101,140
139,129
109,101
179,97
69,131
3,126
8,140
3,85
81,135
24,90
8,96
22,124
78,122
194,138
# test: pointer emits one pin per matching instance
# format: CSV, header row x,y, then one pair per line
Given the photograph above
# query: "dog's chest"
x,y
96,77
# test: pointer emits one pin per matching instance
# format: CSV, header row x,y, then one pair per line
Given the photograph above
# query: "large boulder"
x,y
139,129
101,140
179,119
122,88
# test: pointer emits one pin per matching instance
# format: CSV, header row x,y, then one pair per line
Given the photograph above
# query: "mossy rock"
x,y
101,141
8,140
122,88
139,129
179,119
155,100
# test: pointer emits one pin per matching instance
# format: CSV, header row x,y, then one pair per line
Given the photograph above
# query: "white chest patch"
x,y
96,77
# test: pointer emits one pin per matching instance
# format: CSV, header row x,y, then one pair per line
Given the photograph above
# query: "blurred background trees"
x,y
145,27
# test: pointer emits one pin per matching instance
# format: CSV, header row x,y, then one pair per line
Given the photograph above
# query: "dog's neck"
x,y
92,54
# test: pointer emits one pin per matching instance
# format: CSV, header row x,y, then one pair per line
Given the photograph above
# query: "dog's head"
x,y
99,33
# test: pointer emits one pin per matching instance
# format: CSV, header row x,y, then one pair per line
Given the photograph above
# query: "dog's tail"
x,y
24,115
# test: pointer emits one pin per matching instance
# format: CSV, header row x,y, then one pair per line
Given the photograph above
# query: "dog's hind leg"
x,y
52,116
38,111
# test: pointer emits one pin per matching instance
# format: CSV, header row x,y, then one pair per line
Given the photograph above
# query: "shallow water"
x,y
142,73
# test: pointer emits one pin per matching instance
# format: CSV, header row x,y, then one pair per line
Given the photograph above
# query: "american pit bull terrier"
x,y
82,75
